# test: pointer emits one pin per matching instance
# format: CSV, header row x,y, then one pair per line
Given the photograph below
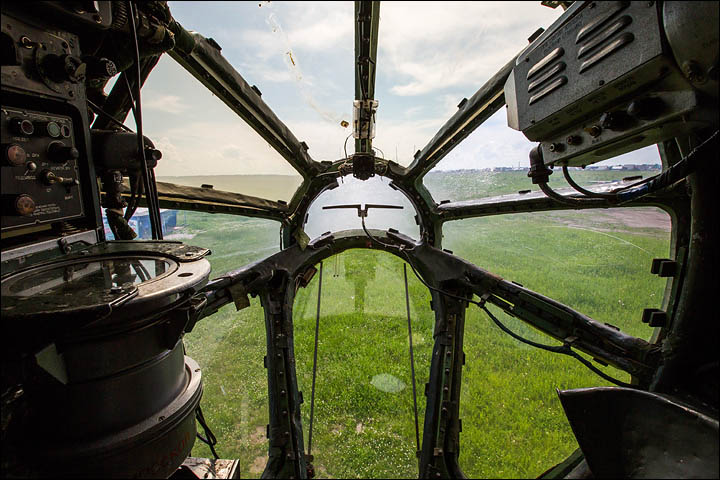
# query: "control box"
x,y
49,191
611,77
40,174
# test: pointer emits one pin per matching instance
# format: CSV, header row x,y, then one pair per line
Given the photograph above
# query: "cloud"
x,y
263,73
309,26
152,100
213,148
428,46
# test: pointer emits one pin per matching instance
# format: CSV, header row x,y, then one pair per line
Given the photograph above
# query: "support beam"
x,y
367,18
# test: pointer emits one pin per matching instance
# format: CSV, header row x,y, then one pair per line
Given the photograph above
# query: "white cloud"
x,y
152,100
260,72
212,148
429,46
316,26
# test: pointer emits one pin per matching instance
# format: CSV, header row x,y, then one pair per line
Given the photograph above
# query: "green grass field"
x,y
513,425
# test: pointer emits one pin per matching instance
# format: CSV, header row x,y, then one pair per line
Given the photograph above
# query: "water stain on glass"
x,y
387,383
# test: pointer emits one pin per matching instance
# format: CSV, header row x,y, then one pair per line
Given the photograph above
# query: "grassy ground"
x,y
513,425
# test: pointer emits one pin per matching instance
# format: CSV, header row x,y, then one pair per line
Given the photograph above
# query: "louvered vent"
x,y
545,76
602,36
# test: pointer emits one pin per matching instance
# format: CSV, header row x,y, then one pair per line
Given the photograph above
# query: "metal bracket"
x,y
362,212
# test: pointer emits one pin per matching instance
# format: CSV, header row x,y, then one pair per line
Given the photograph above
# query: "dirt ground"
x,y
617,219
649,217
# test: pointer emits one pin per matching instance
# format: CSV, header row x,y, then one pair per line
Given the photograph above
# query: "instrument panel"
x,y
40,174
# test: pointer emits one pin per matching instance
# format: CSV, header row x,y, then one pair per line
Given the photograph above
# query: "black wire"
x,y
150,193
130,94
112,119
679,170
564,349
580,189
345,146
612,195
568,200
136,189
210,441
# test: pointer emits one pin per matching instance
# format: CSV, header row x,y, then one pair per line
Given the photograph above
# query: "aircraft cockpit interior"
x,y
360,239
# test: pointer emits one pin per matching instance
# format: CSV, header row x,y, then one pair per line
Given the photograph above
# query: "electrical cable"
x,y
112,119
580,189
678,171
565,349
210,441
136,190
684,167
150,193
130,93
570,201
345,146
312,392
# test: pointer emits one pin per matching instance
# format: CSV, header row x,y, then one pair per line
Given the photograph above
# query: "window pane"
x,y
204,142
363,423
597,262
493,160
431,55
299,54
375,190
229,346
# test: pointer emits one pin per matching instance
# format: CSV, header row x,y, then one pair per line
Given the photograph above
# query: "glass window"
x,y
204,142
299,54
423,73
375,190
363,424
493,160
595,261
229,346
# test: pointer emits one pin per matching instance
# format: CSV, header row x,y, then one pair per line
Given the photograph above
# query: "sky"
x,y
431,55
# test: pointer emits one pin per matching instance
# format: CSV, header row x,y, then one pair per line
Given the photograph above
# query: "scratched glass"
x,y
595,261
229,346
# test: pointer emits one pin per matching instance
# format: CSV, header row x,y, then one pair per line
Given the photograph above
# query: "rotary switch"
x,y
15,155
21,204
24,205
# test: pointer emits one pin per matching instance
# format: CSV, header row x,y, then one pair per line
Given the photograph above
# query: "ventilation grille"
x,y
602,36
545,76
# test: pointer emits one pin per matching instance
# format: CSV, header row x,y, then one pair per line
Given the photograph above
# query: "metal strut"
x,y
412,366
314,371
